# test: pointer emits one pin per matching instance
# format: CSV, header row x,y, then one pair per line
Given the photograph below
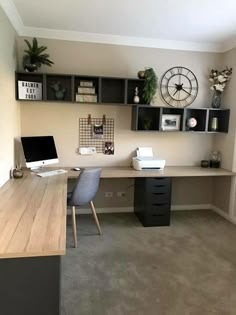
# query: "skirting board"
x,y
224,214
173,208
131,209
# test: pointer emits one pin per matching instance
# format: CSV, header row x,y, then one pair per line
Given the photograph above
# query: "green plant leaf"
x,y
150,85
35,54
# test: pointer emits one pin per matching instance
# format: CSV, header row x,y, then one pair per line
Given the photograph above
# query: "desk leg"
x,y
30,286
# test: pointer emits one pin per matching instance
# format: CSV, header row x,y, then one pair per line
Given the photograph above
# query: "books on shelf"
x,y
86,92
83,98
86,83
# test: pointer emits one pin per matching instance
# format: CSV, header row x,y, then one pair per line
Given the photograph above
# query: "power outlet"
x,y
108,194
120,194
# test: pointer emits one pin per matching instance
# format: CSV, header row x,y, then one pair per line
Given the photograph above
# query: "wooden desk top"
x,y
33,216
33,209
169,171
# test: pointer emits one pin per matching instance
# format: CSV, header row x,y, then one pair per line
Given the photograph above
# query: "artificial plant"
x,y
34,56
150,85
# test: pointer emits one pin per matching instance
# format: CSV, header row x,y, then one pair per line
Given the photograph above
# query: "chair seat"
x,y
83,193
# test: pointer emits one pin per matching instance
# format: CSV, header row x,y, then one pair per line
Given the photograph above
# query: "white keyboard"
x,y
51,173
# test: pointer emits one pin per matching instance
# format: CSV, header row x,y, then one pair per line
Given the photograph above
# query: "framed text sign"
x,y
29,90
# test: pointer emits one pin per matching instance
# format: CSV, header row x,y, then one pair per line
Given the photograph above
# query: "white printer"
x,y
145,160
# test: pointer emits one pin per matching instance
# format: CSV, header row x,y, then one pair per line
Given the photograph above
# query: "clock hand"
x,y
186,91
175,92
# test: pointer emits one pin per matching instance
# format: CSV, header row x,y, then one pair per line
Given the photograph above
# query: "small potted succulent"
x,y
34,56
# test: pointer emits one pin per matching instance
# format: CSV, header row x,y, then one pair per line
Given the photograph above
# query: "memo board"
x,y
87,137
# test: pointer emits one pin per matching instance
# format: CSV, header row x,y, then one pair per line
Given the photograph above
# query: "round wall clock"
x,y
179,87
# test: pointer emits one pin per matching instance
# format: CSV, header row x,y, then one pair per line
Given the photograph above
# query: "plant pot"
x,y
30,68
216,99
141,74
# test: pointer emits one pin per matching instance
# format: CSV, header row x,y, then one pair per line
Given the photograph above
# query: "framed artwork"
x,y
170,122
98,131
109,148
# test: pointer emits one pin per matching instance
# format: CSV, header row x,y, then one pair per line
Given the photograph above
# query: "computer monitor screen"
x,y
39,151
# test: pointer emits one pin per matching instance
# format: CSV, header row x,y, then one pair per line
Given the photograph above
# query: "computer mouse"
x,y
76,169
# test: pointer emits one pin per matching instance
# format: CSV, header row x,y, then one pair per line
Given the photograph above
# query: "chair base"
x,y
74,222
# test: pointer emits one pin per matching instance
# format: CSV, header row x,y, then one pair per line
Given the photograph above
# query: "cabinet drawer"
x,y
158,197
160,188
156,220
158,208
158,181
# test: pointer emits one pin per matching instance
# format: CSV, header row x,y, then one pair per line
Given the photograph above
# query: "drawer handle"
x,y
159,185
158,215
159,204
159,193
160,178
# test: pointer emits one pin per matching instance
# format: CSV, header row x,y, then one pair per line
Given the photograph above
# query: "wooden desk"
x,y
169,171
33,235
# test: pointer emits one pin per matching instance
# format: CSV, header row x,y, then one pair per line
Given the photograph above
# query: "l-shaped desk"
x,y
33,235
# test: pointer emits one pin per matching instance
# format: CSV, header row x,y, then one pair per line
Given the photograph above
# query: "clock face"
x,y
179,87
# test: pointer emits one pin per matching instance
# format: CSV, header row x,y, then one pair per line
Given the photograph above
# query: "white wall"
x,y
9,108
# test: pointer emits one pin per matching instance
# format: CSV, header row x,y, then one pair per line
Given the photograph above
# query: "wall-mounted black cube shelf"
x,y
145,118
60,82
222,116
113,90
121,91
30,77
131,85
150,118
200,114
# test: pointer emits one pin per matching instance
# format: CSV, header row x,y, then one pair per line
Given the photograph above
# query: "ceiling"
x,y
204,25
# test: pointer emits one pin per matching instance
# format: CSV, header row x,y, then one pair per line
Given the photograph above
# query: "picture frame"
x,y
109,148
170,122
97,131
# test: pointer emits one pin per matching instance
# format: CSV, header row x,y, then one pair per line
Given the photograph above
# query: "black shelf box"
x,y
131,85
64,82
113,90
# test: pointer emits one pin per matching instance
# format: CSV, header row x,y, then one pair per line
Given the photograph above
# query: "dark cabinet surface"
x,y
84,89
152,200
120,91
152,118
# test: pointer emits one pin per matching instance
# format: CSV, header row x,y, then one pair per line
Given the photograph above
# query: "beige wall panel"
x,y
185,191
9,108
62,120
226,142
221,193
192,191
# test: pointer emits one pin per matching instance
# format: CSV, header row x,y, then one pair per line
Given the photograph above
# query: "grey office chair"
x,y
84,192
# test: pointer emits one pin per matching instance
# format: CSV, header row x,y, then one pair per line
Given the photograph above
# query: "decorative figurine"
x,y
59,90
192,122
136,97
17,172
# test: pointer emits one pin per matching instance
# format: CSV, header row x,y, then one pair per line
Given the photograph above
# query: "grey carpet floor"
x,y
188,268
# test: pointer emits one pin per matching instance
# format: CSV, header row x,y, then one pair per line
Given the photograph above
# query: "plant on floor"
x,y
150,85
34,56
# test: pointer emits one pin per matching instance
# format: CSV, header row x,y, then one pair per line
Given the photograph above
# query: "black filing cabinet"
x,y
152,200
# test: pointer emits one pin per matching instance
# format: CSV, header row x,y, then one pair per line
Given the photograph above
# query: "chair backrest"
x,y
86,186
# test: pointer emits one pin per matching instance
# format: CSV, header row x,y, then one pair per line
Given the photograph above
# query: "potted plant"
x,y
34,56
150,85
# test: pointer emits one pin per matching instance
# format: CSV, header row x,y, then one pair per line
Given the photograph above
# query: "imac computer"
x,y
39,151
